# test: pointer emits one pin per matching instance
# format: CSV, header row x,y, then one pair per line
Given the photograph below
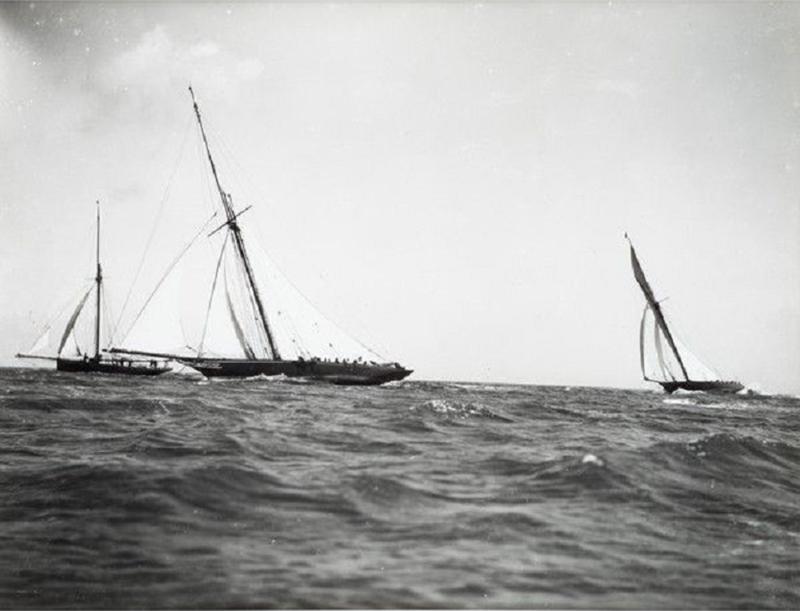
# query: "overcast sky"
x,y
449,182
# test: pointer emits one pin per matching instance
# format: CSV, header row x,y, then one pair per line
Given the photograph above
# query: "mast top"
x,y
98,281
99,273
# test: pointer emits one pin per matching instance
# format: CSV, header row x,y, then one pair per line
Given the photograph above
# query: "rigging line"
x,y
335,351
167,272
211,296
273,263
220,141
211,195
83,282
48,325
200,160
298,337
243,295
240,171
698,362
108,310
237,171
184,335
260,332
159,214
295,336
107,315
211,199
237,328
323,315
237,167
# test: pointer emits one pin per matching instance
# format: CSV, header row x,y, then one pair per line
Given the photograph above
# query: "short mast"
x,y
233,225
98,281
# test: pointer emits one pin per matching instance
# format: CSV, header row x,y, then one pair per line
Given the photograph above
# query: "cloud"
x,y
249,69
159,65
150,57
204,49
625,88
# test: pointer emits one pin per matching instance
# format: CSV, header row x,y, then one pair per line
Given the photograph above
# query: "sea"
x,y
179,492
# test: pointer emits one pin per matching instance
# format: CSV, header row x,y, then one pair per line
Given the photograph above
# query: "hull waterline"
x,y
356,374
712,386
116,366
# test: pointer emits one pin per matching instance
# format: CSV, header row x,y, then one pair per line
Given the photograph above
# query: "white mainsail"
x,y
676,362
261,315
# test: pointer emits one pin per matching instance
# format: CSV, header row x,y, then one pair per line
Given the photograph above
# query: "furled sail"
x,y
655,307
72,320
641,340
237,327
660,368
662,363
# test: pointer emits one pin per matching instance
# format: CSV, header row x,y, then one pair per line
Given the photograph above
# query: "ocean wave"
x,y
742,472
452,408
120,493
680,401
256,379
562,478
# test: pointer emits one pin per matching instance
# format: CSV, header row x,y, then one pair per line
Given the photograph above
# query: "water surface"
x,y
121,492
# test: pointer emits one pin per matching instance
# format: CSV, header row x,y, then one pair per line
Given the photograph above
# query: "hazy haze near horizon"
x,y
449,182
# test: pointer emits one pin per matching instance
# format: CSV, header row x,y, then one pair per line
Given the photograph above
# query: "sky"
x,y
449,182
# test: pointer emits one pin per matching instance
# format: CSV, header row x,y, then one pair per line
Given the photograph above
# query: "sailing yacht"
x,y
96,362
261,353
677,368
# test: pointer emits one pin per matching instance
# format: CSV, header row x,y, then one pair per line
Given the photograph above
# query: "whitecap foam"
x,y
458,409
683,401
591,459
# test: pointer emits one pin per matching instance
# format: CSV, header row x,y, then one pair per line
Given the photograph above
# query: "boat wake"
x,y
681,400
258,379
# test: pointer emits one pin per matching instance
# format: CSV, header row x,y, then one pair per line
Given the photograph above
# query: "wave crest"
x,y
452,408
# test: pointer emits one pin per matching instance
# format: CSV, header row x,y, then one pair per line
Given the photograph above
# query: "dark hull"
x,y
714,386
117,366
358,374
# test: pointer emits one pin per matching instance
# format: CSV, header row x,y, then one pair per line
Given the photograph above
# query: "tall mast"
x,y
638,273
233,226
98,279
